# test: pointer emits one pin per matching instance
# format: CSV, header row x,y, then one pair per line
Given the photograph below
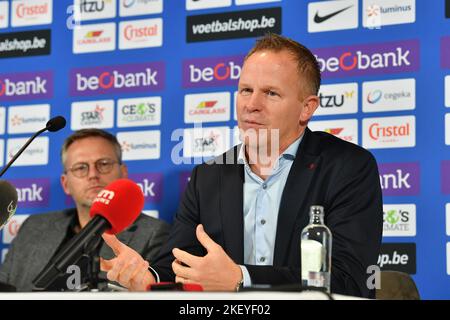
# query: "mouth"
x,y
253,124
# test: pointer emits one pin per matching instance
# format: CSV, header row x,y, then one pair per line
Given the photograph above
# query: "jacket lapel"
x,y
231,208
294,194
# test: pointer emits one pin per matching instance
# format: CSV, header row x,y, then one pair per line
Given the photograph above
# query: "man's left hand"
x,y
216,271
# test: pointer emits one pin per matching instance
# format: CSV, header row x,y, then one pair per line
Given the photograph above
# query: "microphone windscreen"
x,y
120,203
8,201
56,123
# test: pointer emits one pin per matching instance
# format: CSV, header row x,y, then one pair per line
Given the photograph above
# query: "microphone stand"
x,y
92,253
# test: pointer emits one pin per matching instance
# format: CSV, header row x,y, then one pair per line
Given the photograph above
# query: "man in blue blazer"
x,y
240,220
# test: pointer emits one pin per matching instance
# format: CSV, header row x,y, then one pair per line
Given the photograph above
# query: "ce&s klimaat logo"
x,y
92,114
398,257
127,78
233,25
344,129
399,220
207,107
339,98
136,112
389,132
31,12
140,145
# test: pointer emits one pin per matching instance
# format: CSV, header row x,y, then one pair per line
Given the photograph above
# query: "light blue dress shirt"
x,y
261,204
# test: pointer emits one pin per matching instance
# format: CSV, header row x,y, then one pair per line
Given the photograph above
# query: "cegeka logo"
x,y
140,7
389,95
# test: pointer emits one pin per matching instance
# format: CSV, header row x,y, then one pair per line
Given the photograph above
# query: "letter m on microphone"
x,y
104,196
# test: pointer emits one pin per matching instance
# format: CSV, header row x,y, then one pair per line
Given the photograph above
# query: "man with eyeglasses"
x,y
91,159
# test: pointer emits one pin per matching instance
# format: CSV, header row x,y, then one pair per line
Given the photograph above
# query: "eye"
x,y
272,93
245,91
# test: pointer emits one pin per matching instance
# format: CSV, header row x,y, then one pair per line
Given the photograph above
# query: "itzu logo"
x,y
371,59
212,72
338,99
399,220
26,86
94,9
117,79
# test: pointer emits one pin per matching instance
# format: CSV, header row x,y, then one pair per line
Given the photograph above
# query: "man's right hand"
x,y
128,268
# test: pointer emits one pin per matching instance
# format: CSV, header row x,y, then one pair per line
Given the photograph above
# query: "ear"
x,y
124,171
64,184
310,105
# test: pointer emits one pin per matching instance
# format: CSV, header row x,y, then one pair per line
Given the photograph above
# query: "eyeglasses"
x,y
103,166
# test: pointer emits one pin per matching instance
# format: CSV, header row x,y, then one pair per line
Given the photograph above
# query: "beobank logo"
x,y
26,86
369,59
151,185
400,179
445,52
144,77
212,72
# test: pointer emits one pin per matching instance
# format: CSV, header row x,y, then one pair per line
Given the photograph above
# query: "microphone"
x,y
8,202
54,124
114,209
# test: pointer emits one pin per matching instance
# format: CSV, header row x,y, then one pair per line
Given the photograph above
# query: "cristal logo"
x,y
374,97
19,88
107,80
376,131
134,33
220,71
26,11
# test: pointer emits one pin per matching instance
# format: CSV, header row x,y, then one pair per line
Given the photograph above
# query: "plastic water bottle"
x,y
316,251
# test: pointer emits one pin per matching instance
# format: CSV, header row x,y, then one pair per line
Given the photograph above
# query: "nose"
x,y
93,173
254,102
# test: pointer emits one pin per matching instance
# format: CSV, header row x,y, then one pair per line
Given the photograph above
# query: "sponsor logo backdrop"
x,y
142,69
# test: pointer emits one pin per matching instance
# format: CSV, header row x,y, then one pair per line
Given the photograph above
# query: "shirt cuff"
x,y
154,273
247,280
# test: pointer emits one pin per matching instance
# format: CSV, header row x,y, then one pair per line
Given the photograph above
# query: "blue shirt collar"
x,y
288,154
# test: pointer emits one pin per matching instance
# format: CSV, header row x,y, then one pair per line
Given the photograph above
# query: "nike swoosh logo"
x,y
318,19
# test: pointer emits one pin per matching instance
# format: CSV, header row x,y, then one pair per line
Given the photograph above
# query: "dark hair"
x,y
87,133
307,64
